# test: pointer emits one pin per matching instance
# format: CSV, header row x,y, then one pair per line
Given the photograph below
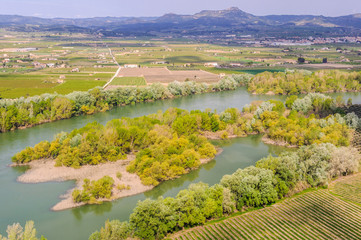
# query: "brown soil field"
x,y
163,75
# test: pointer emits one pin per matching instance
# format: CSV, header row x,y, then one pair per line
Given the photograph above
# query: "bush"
x,y
101,188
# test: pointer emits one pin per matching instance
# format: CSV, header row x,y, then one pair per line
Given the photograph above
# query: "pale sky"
x,y
119,8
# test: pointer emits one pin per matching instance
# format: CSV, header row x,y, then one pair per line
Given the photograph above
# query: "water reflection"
x,y
98,210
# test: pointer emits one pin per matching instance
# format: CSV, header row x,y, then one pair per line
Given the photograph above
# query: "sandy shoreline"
x,y
44,171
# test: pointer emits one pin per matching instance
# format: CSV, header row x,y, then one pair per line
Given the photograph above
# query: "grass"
x,y
129,81
317,214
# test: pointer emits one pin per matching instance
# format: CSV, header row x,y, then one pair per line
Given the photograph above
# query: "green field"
x,y
35,83
129,81
312,215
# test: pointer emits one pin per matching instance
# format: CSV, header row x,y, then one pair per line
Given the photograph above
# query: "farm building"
x,y
131,66
211,64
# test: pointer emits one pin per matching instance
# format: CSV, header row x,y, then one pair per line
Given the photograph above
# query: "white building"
x,y
211,64
131,66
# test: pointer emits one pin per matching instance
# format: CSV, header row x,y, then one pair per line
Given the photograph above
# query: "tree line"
x,y
293,82
26,112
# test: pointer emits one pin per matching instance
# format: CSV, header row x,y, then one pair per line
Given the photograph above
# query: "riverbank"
x,y
271,93
44,170
104,100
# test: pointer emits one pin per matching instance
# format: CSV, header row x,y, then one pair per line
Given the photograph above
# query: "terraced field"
x,y
313,215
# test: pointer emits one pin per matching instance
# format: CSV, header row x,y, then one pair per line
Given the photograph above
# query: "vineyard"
x,y
349,188
313,215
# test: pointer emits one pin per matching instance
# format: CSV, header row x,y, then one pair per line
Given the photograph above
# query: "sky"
x,y
137,8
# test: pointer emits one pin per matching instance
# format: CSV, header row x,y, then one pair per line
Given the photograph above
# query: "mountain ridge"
x,y
228,20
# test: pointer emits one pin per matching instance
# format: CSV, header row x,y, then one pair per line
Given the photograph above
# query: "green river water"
x,y
21,202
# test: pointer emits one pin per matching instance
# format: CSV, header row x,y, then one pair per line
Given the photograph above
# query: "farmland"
x,y
348,188
128,81
163,75
312,215
36,63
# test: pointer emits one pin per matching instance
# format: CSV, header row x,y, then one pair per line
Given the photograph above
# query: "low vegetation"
x,y
129,81
17,232
302,82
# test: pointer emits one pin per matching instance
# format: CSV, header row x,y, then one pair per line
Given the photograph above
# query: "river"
x,y
21,202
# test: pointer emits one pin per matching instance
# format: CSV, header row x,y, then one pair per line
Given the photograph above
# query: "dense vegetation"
x,y
94,190
297,82
16,232
162,151
172,143
271,179
23,112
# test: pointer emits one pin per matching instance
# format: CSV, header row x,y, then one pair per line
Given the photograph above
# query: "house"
x,y
26,49
211,64
131,66
51,65
39,65
160,62
75,70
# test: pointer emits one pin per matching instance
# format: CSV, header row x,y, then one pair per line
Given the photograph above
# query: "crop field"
x,y
128,81
35,83
313,215
348,188
163,75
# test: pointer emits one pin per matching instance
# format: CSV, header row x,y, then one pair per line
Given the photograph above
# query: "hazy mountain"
x,y
232,20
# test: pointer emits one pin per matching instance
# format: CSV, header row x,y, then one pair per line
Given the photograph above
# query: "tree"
x,y
113,230
16,232
251,186
301,60
152,219
61,108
